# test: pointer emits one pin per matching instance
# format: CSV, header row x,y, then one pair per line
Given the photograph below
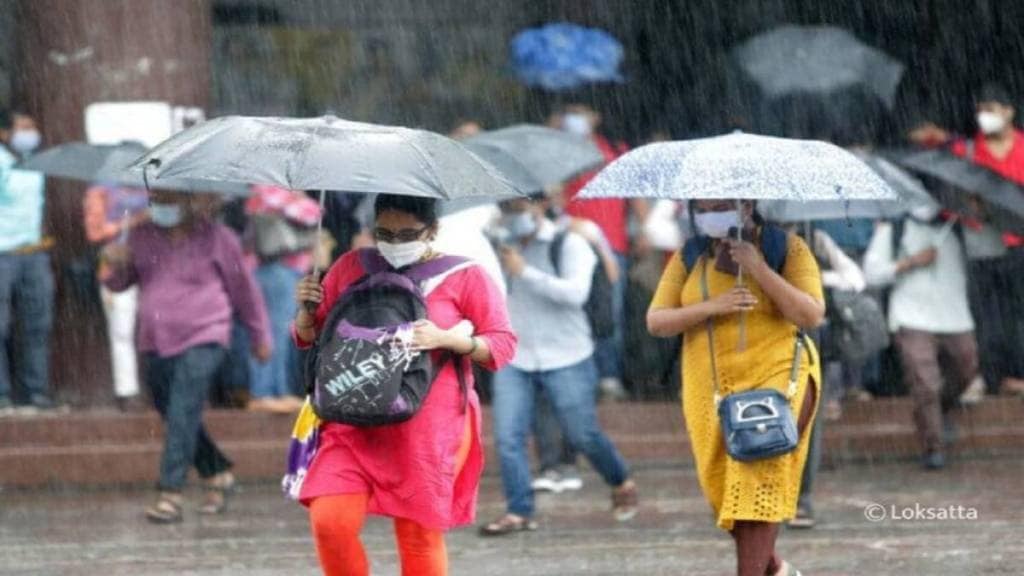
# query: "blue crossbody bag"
x,y
756,424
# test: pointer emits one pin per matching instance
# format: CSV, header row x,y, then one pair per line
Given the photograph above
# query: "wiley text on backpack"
x,y
363,369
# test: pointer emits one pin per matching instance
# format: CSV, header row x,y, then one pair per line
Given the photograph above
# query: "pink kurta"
x,y
409,469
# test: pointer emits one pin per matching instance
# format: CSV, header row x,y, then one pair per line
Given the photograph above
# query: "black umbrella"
x,y
963,183
106,163
821,60
811,82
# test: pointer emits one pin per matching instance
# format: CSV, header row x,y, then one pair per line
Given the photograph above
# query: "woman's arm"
x,y
667,316
794,304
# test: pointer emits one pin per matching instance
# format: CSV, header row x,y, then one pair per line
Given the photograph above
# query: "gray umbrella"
x,y
325,153
552,156
107,164
962,183
910,191
792,60
513,170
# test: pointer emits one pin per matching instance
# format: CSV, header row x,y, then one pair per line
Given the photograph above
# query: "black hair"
x,y
423,209
992,92
6,119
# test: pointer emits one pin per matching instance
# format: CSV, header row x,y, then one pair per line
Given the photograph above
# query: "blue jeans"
x,y
276,378
609,350
572,392
180,385
26,312
553,450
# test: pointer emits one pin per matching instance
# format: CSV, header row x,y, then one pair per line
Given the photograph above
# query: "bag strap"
x,y
798,346
459,365
555,251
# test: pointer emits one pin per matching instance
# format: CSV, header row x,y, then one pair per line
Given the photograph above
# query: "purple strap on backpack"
x,y
373,263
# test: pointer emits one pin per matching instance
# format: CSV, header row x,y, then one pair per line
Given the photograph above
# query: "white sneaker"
x,y
571,480
612,389
974,393
548,481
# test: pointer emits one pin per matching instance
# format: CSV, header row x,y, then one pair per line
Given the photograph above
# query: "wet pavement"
x,y
966,520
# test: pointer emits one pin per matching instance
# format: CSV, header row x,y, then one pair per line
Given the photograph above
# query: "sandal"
x,y
167,509
625,501
218,488
508,524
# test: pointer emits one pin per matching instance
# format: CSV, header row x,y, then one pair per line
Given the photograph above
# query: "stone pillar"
x,y
72,54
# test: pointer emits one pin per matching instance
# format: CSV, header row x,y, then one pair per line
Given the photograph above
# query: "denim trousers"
x,y
26,321
572,392
277,377
180,385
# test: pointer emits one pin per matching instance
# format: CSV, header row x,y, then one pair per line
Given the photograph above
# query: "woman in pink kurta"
x,y
424,472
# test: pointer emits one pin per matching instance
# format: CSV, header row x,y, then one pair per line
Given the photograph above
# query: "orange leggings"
x,y
337,521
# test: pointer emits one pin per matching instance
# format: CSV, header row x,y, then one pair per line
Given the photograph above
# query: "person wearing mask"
x,y
612,216
110,212
424,472
929,314
192,279
555,356
996,260
700,298
26,279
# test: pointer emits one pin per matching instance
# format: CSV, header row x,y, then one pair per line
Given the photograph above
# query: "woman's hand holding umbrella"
x,y
735,301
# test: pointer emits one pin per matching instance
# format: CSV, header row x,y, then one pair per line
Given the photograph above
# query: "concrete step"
x,y
107,448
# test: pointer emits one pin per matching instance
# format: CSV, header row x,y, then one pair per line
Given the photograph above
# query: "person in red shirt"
x,y
612,216
996,267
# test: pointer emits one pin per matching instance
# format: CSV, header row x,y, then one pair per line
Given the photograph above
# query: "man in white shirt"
x,y
929,314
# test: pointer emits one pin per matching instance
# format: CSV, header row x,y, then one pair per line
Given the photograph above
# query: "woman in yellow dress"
x,y
750,499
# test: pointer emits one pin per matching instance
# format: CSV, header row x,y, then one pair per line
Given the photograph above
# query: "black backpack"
x,y
362,370
599,306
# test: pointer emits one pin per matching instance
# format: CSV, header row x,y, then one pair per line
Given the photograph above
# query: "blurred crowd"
x,y
950,288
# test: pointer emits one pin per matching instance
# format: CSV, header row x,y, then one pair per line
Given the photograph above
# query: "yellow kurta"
x,y
765,490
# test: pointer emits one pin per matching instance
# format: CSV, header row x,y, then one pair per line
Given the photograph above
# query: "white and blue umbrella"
x,y
739,166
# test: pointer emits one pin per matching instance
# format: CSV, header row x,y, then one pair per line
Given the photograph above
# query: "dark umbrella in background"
x,y
108,164
551,156
810,81
962,184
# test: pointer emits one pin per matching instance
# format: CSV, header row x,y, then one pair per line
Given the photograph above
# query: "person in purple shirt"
x,y
192,280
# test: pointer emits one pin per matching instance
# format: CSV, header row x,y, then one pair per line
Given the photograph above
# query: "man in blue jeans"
x,y
555,355
26,280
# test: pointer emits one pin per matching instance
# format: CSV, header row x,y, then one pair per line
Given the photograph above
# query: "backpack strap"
x,y
774,244
372,262
555,251
424,271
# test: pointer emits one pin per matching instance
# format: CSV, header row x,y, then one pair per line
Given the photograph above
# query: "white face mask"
x,y
924,212
990,123
577,124
165,215
25,141
717,224
521,225
402,255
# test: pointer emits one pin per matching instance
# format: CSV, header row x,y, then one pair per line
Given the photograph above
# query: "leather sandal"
x,y
625,501
218,489
508,524
167,510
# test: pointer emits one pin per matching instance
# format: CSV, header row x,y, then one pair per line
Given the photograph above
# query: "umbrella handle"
x,y
312,306
741,345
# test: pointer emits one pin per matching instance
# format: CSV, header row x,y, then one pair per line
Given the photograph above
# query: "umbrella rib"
x,y
430,166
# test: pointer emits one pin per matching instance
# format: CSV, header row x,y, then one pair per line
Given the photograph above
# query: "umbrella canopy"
x,y
511,168
742,167
793,60
910,192
561,56
963,182
552,156
325,153
109,163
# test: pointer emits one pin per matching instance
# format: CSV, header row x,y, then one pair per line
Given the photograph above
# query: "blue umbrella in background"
x,y
562,56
